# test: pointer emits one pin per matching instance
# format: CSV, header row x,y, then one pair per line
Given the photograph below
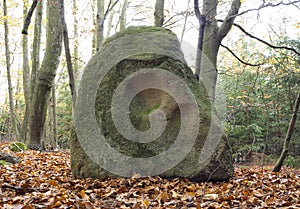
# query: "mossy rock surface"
x,y
8,158
218,166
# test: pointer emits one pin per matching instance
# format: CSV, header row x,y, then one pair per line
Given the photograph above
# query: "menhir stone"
x,y
140,109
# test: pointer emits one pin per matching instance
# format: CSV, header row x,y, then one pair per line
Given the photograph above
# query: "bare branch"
x,y
28,17
196,9
20,189
78,59
110,7
185,21
239,59
227,23
264,5
169,24
298,7
265,42
179,15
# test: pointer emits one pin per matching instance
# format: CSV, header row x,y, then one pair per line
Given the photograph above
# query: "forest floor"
x,y
44,180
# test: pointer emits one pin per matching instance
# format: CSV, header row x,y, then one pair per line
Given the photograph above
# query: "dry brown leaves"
x,y
44,180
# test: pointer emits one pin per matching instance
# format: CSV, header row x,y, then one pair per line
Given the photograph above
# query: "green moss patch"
x,y
2,163
18,147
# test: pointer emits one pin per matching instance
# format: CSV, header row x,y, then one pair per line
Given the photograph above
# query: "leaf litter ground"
x,y
44,180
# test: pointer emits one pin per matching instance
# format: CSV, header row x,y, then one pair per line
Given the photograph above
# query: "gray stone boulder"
x,y
141,110
5,157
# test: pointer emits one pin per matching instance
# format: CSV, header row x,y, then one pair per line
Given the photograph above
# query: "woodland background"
x,y
258,67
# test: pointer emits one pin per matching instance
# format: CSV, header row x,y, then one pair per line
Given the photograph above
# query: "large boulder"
x,y
141,110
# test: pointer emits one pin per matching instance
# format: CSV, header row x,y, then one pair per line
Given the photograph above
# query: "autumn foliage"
x,y
44,180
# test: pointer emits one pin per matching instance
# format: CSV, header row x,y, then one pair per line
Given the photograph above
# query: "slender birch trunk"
x,y
55,144
76,41
26,78
14,127
100,24
288,137
185,21
109,24
123,15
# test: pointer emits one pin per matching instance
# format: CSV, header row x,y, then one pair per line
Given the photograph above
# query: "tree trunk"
x,y
54,145
100,24
26,78
212,38
76,42
288,137
48,130
17,99
69,60
36,46
109,25
35,65
123,15
159,13
14,127
54,33
94,40
50,133
202,21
